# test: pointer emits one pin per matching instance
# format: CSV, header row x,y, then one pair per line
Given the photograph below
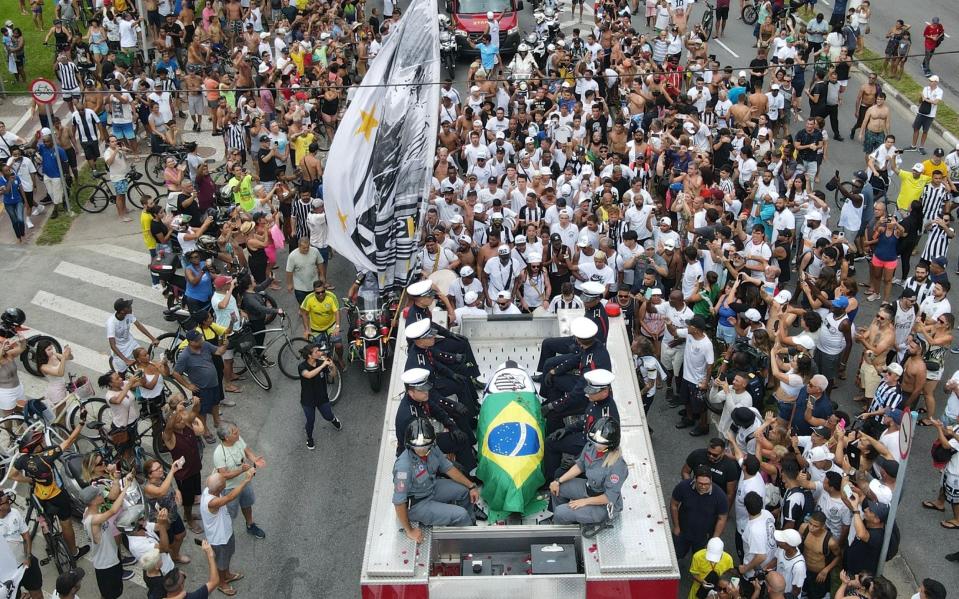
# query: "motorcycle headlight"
x,y
369,330
445,37
461,33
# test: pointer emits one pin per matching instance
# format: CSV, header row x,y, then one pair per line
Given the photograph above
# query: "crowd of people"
x,y
627,168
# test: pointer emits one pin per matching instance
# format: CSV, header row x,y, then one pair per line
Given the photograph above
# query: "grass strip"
x,y
55,229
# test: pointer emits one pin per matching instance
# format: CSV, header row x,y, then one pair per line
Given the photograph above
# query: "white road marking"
x,y
80,311
121,286
118,251
90,359
727,48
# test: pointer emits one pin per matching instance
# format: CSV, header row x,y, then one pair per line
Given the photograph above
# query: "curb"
x,y
892,92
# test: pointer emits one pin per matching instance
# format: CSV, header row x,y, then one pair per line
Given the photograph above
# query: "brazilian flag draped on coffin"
x,y
510,437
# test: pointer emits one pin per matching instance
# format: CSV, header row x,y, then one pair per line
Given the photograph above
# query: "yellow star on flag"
x,y
367,123
342,217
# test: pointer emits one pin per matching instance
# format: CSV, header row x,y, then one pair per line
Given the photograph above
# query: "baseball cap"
x,y
882,492
665,221
500,135
940,261
88,494
122,303
820,453
938,152
503,250
841,302
895,415
698,321
467,271
934,78
520,239
221,281
193,335
583,241
752,314
714,549
918,167
880,509
896,369
822,431
813,215
503,295
45,132
470,297
789,536
783,297
775,86
890,467
669,244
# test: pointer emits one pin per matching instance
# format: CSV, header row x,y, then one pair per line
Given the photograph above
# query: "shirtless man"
x,y
487,251
877,340
234,20
192,85
637,100
913,370
251,39
864,101
758,102
618,136
448,138
97,103
741,113
196,56
875,125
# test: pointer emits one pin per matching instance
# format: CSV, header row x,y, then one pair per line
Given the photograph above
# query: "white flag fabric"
x,y
379,166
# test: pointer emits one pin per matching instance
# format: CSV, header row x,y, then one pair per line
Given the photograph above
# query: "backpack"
x,y
809,503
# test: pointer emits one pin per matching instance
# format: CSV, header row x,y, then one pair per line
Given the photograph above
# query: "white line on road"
x,y
88,314
727,48
120,285
90,359
118,251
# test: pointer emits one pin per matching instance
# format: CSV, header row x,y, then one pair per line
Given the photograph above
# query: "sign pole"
x,y
909,423
45,92
141,14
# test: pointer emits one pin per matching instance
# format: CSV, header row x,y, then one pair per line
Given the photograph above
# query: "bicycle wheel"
x,y
153,168
57,549
268,299
707,24
334,384
29,357
290,356
138,193
97,411
11,428
171,388
168,344
750,15
92,198
256,370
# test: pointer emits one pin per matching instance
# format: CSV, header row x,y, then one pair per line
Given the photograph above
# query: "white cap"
x,y
500,135
665,221
503,250
520,239
466,239
456,219
496,216
566,190
775,86
535,259
325,35
814,215
763,131
714,550
895,368
599,377
689,127
482,153
476,88
418,329
918,167
470,297
490,15
45,132
504,294
583,242
820,453
419,288
467,271
479,209
882,492
415,376
934,78
584,328
742,73
752,314
669,244
593,288
264,35
805,341
789,536
655,291
530,140
783,297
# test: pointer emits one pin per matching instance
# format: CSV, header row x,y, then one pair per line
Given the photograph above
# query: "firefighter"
x,y
592,501
419,495
572,438
421,401
563,381
448,372
422,295
592,294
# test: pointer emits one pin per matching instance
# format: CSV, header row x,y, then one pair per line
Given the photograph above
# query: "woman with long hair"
x,y
316,370
912,225
162,494
53,365
11,390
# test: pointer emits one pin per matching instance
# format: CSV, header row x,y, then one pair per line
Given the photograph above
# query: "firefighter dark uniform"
x,y
601,480
571,439
447,371
448,341
595,311
429,500
456,439
563,381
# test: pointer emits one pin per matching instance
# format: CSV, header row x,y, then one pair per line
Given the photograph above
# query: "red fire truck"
x,y
469,21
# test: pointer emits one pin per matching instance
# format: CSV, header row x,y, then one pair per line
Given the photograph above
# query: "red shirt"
x,y
931,33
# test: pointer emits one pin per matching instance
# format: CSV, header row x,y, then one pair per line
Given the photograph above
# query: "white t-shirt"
x,y
691,275
12,528
793,569
122,332
930,94
933,308
140,545
952,402
836,512
102,554
745,486
128,33
758,538
697,356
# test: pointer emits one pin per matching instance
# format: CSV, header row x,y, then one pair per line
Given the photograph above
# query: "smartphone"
x,y
842,424
181,462
198,541
847,491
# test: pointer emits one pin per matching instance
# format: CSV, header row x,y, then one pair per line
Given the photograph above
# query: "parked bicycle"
x,y
155,163
56,549
709,18
95,197
255,359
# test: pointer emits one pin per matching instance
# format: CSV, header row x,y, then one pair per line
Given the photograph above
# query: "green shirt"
x,y
243,192
703,307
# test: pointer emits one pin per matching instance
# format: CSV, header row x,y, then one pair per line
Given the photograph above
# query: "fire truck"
x,y
521,558
469,21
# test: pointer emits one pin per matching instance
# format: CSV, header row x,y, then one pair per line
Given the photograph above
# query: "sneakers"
x,y
872,297
954,349
861,257
81,551
38,210
838,138
127,574
922,150
157,287
256,531
910,149
128,560
337,424
310,444
28,222
897,281
228,403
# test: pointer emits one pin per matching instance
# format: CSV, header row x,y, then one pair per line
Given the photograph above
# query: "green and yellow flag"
x,y
511,439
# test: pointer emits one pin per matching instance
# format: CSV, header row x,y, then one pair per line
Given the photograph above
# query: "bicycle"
x,y
334,385
169,343
56,547
749,13
288,357
709,18
95,197
155,163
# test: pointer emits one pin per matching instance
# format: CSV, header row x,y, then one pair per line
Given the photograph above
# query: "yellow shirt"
x,y
928,168
211,334
148,239
911,188
322,312
700,567
301,145
298,60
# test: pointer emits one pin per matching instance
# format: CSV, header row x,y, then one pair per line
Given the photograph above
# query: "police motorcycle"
x,y
550,23
448,46
370,334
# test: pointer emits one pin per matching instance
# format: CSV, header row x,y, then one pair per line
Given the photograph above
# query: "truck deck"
x,y
634,558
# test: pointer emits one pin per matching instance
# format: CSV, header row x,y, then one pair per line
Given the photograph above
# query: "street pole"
x,y
56,154
897,492
141,14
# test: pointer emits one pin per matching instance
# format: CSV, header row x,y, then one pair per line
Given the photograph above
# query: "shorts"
x,y
189,488
209,399
872,140
887,264
110,582
71,94
223,554
177,527
91,150
236,26
100,49
246,499
325,253
213,103
923,122
722,13
950,487
123,130
103,117
195,105
154,18
811,167
120,187
672,359
32,579
58,507
228,354
869,378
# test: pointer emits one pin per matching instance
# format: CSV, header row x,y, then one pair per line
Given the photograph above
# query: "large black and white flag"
x,y
380,163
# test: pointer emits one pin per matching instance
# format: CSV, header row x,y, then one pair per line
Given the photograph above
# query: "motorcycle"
x,y
552,24
448,47
537,46
370,339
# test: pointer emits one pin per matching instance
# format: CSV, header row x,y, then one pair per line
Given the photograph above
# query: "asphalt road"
x,y
314,505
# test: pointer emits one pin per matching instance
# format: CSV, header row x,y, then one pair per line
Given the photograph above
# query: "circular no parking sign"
x,y
43,91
